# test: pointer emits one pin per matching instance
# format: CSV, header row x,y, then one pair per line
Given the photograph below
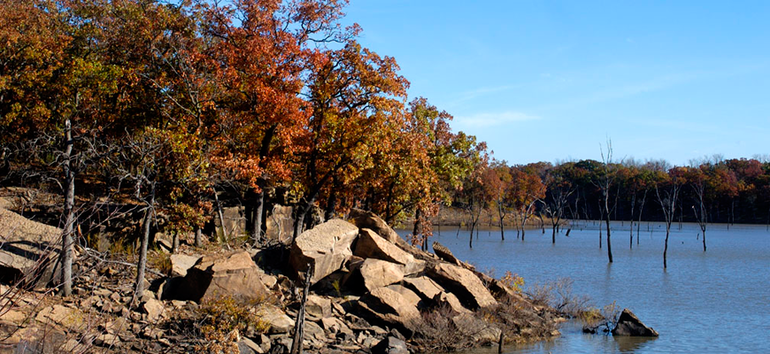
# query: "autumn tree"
x,y
356,98
526,190
265,49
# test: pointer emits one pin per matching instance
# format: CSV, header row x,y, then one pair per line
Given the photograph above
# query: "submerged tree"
x,y
667,188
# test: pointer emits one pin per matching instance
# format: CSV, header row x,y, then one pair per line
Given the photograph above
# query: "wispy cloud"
x,y
483,120
483,91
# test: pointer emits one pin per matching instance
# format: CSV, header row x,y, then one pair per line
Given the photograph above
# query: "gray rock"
x,y
444,253
390,345
477,329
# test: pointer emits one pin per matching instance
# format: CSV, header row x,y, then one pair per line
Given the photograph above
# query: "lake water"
x,y
712,302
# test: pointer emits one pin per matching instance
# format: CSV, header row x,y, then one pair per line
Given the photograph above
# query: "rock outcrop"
x,y
630,325
27,250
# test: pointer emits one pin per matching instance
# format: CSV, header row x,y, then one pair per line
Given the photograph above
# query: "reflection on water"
x,y
716,301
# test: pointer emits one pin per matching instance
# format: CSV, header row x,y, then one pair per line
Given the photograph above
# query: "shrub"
x,y
223,320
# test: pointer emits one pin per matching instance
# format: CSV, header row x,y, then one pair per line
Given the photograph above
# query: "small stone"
x,y
154,309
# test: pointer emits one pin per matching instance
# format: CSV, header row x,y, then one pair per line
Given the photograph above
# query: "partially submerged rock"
x,y
630,325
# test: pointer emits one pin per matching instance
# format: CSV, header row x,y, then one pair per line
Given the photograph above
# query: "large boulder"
x,y
463,283
372,245
27,250
378,273
630,325
389,306
368,220
325,247
214,276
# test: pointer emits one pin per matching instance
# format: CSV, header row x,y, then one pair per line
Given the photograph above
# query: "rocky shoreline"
x,y
370,292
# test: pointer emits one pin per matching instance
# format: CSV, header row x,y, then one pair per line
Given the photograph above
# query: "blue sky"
x,y
548,81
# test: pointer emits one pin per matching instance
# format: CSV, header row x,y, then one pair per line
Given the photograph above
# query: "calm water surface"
x,y
712,302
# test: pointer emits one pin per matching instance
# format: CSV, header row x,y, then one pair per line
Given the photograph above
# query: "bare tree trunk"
x,y
69,213
198,236
665,247
299,324
258,213
221,216
175,242
502,221
641,210
631,227
142,263
600,235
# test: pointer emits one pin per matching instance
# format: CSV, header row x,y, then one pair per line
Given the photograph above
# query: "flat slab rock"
x,y
463,283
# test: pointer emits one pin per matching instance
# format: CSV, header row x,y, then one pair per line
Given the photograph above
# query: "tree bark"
x,y
299,326
142,263
69,213
258,214
198,236
416,229
221,216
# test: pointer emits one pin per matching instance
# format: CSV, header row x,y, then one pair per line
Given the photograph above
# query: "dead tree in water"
x,y
667,189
